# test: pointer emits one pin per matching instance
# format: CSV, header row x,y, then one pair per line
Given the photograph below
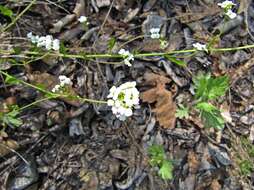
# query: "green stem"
x,y
52,95
90,56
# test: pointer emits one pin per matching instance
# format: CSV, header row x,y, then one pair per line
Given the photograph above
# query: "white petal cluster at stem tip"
x,y
123,99
44,41
200,47
226,4
155,33
231,14
128,57
82,19
63,81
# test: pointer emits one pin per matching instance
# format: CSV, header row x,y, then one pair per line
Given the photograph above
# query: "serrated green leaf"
x,y
175,60
166,170
209,88
182,112
217,87
210,115
157,154
6,11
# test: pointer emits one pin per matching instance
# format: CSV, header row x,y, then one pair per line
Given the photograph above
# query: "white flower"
x,y
63,81
231,14
155,33
82,19
44,41
56,88
128,57
226,4
56,45
123,99
200,47
48,42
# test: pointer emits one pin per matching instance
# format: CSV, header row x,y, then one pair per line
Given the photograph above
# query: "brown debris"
x,y
164,105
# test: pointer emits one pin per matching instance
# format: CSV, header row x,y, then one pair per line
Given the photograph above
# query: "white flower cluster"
x,y
63,81
128,57
155,33
200,47
44,41
82,19
123,99
227,6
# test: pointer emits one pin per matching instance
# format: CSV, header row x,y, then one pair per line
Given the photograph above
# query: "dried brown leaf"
x,y
165,107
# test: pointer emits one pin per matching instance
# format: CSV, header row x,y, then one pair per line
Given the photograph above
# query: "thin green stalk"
x,y
138,55
51,94
34,103
18,17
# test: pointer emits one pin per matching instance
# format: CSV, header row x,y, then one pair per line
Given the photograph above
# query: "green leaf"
x,y
182,112
209,88
157,154
11,119
6,11
217,87
210,115
175,60
166,170
11,80
111,43
63,49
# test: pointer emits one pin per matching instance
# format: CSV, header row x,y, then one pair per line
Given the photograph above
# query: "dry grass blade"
x,y
165,108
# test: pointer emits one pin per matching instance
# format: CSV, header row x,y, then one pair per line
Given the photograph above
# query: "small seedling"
x,y
158,159
209,88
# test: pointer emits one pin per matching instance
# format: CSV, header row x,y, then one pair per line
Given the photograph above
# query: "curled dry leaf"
x,y
165,108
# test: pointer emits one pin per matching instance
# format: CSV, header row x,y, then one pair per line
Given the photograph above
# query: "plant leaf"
x,y
175,60
6,11
166,170
182,112
209,88
210,115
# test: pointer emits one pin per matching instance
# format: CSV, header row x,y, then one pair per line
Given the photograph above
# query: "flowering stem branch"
x,y
138,55
51,94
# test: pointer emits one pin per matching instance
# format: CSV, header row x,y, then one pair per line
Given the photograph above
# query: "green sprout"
x,y
158,159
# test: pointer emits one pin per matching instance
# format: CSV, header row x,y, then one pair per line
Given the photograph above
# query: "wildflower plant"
x,y
157,158
155,33
208,88
227,7
44,41
128,57
123,99
200,47
63,82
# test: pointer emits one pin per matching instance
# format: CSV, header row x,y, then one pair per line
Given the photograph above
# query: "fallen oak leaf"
x,y
165,107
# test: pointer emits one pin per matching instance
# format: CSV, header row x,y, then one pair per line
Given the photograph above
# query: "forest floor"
x,y
51,142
